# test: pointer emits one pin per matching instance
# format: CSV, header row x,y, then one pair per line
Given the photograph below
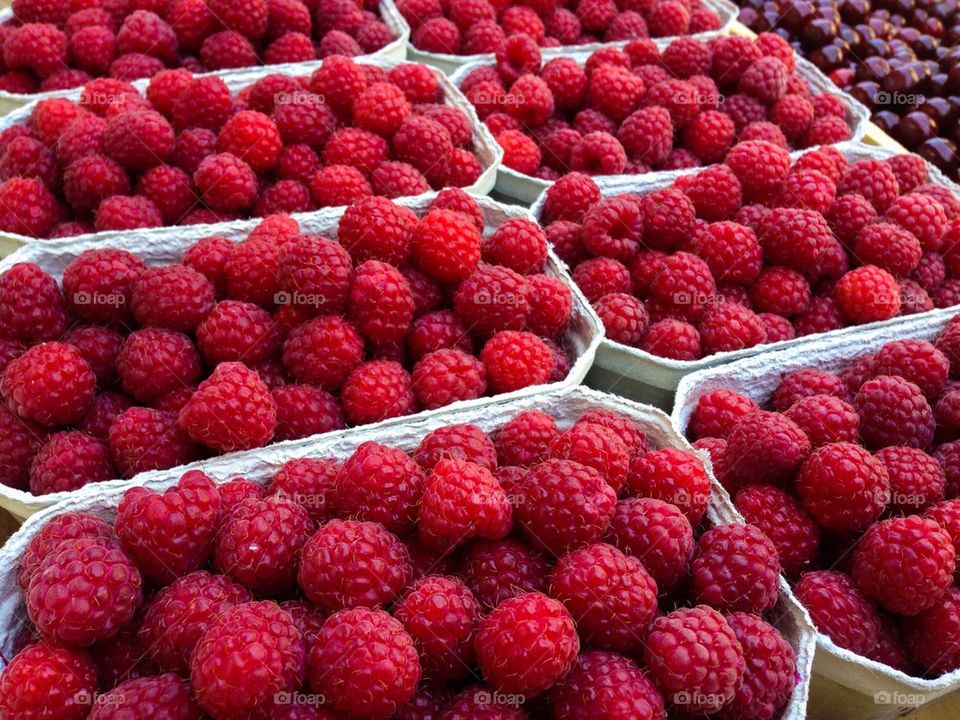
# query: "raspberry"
x,y
611,228
364,662
922,216
565,505
437,35
520,153
717,413
492,299
221,662
708,683
349,564
794,238
303,410
843,487
594,446
805,383
259,544
99,604
850,214
154,362
765,79
179,614
225,182
874,180
549,305
120,212
498,570
767,131
505,647
380,302
446,245
518,244
769,673
338,185
729,326
230,410
377,390
396,179
40,47
765,447
893,411
753,586
49,384
27,157
446,376
31,304
174,297
909,170
163,694
313,274
68,461
61,528
610,595
525,439
672,339
839,610
44,680
825,419
570,198
794,534
235,331
323,352
684,285
867,294
931,636
904,563
138,139
709,136
143,439
516,360
624,318
28,207
716,193
439,330
309,483
193,145
915,360
889,247
759,166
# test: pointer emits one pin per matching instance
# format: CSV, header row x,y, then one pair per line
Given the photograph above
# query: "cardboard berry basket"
x,y
581,338
855,686
396,49
649,378
528,189
565,405
726,11
486,149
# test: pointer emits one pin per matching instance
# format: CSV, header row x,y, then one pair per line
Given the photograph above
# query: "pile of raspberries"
x,y
191,151
755,251
638,109
541,572
124,368
477,27
855,478
51,45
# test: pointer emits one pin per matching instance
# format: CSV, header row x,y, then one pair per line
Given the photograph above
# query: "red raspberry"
x,y
338,185
143,439
717,413
889,247
826,131
916,479
843,487
68,461
313,275
323,352
446,245
729,326
27,157
763,130
625,319
873,179
492,299
759,166
303,410
765,79
120,212
380,302
72,525
674,476
839,610
397,179
520,153
610,595
193,145
230,410
457,200
380,484
867,294
716,193
612,227
549,305
570,198
525,439
805,383
441,615
50,384
922,216
235,331
825,419
505,648
684,285
794,238
437,35
226,183
850,214
105,590
794,534
377,390
364,662
425,144
770,673
516,360
915,360
711,681
91,179
946,514
259,544
170,189
28,207
565,505
672,339
309,483
138,139
765,447
731,56
909,170
439,330
446,376
595,446
219,667
518,244
498,570
40,47
668,218
893,411
154,362
151,526
174,296
178,616
161,695
904,563
31,304
931,637
44,680
348,564
753,585
709,136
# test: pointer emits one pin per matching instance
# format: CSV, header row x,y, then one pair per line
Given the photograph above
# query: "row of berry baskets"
x,y
65,47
